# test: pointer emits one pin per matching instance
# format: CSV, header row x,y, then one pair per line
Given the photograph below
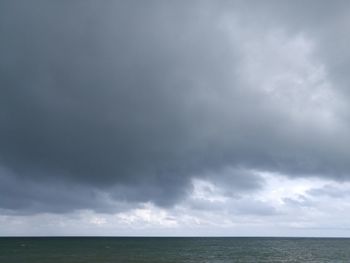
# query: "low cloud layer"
x,y
109,105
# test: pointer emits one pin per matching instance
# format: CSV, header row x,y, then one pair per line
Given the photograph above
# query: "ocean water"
x,y
172,249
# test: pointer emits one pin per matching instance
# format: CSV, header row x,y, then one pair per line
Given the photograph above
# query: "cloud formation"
x,y
122,102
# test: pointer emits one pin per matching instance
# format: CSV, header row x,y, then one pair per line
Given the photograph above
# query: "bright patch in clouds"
x,y
284,206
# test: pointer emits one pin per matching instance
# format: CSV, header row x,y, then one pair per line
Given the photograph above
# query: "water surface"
x,y
172,249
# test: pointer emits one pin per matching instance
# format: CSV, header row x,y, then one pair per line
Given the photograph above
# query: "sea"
x,y
172,249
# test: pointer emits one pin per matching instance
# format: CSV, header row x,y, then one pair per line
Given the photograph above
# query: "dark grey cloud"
x,y
134,99
232,182
329,191
26,196
325,21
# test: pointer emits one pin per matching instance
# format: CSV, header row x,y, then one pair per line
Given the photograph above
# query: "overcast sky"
x,y
175,118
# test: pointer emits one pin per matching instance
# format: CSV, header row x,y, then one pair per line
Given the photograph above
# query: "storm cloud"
x,y
114,102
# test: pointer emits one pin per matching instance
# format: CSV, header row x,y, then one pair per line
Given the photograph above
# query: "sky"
x,y
174,118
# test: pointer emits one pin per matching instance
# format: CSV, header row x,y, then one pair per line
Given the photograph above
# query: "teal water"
x,y
143,249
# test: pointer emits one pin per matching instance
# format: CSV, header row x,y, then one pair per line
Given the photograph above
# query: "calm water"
x,y
110,250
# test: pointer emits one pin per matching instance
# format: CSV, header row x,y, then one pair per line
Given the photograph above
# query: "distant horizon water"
x,y
174,249
168,236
